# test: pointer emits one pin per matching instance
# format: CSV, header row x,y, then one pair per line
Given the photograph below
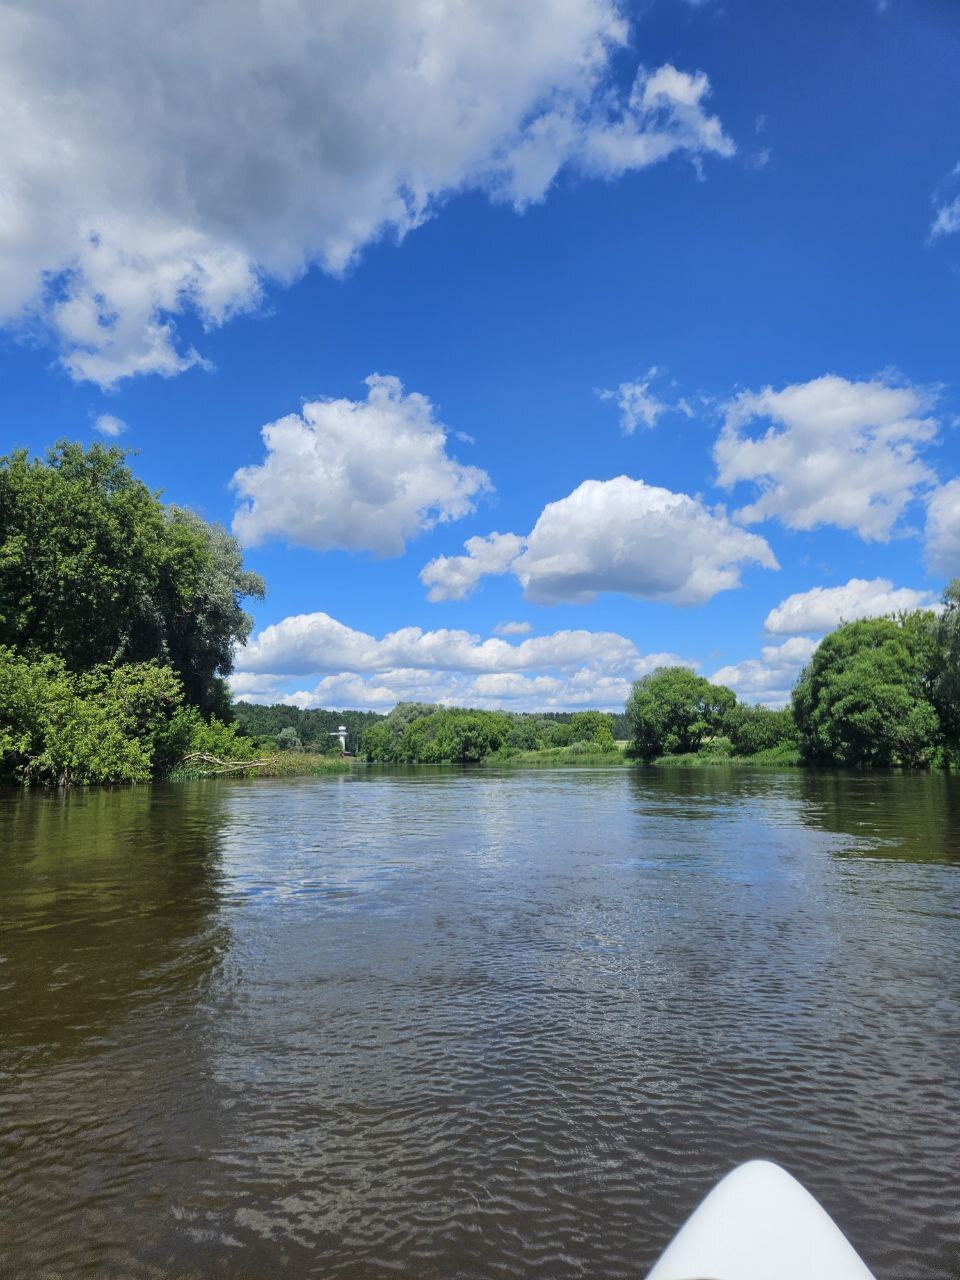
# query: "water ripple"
x,y
456,1025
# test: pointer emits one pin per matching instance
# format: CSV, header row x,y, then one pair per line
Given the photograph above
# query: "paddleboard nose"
x,y
760,1223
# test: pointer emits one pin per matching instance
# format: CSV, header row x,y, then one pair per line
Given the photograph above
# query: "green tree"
x,y
95,570
945,688
200,640
753,728
672,710
864,698
556,733
595,727
287,739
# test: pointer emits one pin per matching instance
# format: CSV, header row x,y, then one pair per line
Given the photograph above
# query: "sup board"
x,y
759,1223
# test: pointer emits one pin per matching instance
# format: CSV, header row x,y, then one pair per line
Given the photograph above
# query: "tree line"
x,y
308,730
120,614
878,692
420,733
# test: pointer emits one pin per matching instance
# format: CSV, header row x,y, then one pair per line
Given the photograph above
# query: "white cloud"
x,y
159,160
108,425
511,691
315,642
638,405
454,577
770,678
829,451
824,608
564,669
617,535
512,629
943,529
947,220
358,475
626,536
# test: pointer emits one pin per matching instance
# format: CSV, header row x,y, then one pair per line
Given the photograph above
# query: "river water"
x,y
472,1024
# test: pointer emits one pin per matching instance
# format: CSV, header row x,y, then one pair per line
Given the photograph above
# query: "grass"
x,y
782,757
556,757
277,764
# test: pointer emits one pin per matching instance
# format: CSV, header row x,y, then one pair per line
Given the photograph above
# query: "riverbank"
x,y
556,757
280,764
785,756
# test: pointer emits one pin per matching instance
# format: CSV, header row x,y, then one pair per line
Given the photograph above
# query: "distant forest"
x,y
315,730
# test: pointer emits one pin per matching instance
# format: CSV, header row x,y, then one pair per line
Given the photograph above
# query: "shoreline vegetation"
x,y
120,616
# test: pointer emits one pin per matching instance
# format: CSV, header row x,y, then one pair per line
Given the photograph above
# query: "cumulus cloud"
x,y
828,451
943,529
512,629
508,690
823,608
770,678
564,669
315,642
626,536
454,577
355,474
639,405
108,425
160,161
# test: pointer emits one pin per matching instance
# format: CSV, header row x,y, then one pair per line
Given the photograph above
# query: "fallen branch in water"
x,y
225,766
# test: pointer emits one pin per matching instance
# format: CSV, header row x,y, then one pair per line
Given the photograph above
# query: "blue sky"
x,y
713,249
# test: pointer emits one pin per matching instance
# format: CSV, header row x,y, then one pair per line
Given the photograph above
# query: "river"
x,y
457,1024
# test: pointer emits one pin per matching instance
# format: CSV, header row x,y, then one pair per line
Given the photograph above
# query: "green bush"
x,y
753,728
119,724
784,755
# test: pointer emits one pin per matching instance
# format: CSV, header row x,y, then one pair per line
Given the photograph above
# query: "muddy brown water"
x,y
472,1024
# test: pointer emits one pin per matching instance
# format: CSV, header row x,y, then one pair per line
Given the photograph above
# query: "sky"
x,y
525,348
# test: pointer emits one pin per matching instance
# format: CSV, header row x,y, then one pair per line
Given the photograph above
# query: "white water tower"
x,y
340,733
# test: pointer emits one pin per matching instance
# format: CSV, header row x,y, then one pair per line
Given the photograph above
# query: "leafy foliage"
x,y
414,734
119,724
945,684
96,571
672,710
417,734
752,729
594,727
865,698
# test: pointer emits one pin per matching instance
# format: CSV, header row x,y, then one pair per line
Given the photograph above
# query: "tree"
x,y
945,689
95,570
287,739
594,727
672,710
864,698
201,641
753,728
556,733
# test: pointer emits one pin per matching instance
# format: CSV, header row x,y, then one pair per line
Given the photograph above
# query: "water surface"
x,y
462,1024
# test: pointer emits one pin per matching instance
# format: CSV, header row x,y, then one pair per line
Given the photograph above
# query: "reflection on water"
x,y
460,1024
